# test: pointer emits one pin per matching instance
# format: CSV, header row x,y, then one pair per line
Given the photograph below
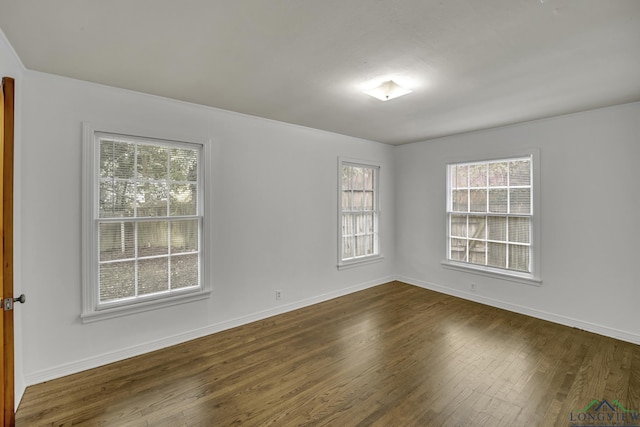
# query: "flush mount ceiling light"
x,y
387,90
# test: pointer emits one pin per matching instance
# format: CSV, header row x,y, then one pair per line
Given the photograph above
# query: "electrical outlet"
x,y
278,295
473,287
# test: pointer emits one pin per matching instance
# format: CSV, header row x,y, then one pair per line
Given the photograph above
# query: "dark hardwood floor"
x,y
393,355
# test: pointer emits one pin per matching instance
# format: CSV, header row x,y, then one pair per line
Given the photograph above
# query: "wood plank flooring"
x,y
392,355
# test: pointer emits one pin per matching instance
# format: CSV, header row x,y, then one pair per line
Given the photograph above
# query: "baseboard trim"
x,y
539,314
137,350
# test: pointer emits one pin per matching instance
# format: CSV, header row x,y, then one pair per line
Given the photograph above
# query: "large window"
x,y
490,214
144,225
358,200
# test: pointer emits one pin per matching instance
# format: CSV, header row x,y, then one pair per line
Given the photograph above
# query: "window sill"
x,y
139,307
359,262
527,279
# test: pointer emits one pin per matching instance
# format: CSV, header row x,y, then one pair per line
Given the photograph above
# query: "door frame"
x,y
6,249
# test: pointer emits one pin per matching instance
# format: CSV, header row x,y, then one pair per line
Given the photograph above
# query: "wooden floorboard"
x,y
392,355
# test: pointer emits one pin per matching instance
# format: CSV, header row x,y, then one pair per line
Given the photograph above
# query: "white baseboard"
x,y
539,314
18,394
125,353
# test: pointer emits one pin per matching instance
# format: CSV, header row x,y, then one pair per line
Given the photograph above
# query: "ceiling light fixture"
x,y
387,90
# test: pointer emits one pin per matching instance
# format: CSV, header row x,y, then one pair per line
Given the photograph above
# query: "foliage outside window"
x,y
489,213
358,212
147,221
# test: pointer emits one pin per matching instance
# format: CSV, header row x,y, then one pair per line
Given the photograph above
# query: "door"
x,y
6,249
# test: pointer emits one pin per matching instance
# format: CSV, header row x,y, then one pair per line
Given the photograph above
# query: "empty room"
x,y
322,213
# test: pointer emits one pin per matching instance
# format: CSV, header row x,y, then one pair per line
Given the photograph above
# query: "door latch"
x,y
8,302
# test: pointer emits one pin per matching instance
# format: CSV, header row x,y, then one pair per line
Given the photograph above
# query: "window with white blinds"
x,y
490,213
358,212
145,222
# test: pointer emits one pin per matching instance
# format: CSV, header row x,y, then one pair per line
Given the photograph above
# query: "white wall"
x,y
274,192
589,221
11,66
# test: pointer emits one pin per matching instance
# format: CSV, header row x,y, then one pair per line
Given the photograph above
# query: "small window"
x,y
358,213
490,221
144,223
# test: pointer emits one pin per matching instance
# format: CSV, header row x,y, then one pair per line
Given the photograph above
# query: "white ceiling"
x,y
472,64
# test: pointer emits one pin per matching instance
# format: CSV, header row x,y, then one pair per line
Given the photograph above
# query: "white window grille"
x,y
358,212
144,220
490,214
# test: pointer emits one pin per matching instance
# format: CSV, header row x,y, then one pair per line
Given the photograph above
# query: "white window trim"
x,y
369,259
535,277
91,312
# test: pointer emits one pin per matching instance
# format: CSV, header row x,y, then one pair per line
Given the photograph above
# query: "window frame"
x,y
344,263
92,310
534,276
